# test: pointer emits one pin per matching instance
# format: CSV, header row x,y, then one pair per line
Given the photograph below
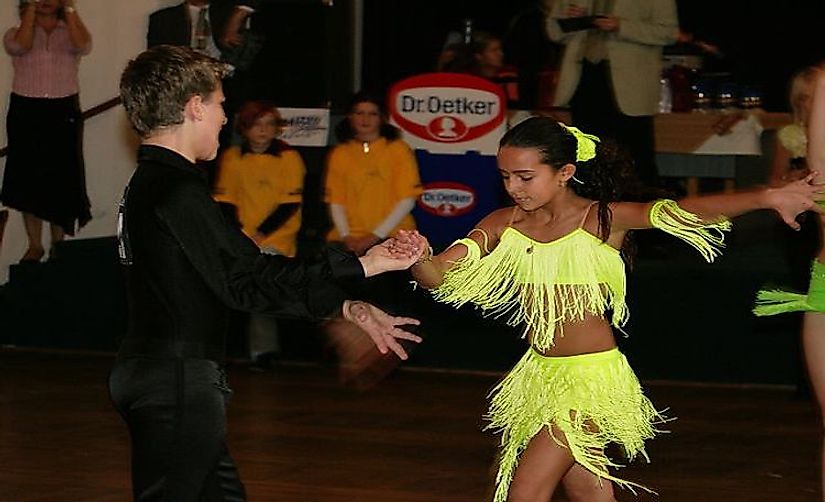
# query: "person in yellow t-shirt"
x,y
260,184
262,181
372,178
372,183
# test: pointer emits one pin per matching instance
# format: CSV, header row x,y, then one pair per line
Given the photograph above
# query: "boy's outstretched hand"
x,y
389,255
380,326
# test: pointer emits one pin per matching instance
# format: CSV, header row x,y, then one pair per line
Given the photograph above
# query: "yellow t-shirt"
x,y
370,184
256,184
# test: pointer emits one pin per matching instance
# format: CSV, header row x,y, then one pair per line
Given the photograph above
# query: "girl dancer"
x,y
553,263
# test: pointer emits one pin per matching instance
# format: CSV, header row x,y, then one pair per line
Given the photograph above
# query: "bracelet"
x,y
426,257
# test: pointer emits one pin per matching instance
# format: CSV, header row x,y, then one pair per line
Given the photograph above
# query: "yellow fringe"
x,y
542,285
707,238
594,399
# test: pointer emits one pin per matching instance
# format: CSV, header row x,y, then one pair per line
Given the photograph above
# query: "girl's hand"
x,y
795,198
419,242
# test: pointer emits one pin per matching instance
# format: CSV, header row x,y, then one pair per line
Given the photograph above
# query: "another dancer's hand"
x,y
795,198
380,326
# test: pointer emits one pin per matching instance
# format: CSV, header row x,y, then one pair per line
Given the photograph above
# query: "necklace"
x,y
366,146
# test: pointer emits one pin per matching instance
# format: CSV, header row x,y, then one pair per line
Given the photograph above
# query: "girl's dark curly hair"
x,y
608,177
344,131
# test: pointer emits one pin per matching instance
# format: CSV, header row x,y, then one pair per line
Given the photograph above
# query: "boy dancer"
x,y
186,266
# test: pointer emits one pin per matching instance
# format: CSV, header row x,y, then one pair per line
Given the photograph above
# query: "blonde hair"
x,y
801,86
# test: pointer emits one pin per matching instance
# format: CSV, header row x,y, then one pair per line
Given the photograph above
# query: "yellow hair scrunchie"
x,y
585,143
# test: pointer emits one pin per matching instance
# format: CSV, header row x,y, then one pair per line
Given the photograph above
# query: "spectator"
x,y
372,178
261,31
488,62
261,183
611,67
372,182
194,23
199,24
791,142
533,54
44,176
483,57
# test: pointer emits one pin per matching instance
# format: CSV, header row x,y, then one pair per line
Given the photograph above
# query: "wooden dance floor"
x,y
299,436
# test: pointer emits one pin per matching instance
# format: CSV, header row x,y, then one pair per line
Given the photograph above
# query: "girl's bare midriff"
x,y
592,334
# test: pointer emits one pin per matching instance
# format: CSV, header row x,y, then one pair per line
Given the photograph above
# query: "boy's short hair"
x,y
156,85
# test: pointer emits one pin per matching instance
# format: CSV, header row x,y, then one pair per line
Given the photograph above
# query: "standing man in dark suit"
x,y
286,39
194,23
199,24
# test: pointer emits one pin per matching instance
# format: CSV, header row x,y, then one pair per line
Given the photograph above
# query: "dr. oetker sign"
x,y
449,112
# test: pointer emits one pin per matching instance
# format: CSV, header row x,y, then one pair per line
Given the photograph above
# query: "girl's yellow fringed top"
x,y
542,284
546,284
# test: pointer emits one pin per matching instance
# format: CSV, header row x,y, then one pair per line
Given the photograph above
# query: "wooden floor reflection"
x,y
299,436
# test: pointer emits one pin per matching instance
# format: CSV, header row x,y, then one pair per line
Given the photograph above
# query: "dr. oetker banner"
x,y
453,122
449,112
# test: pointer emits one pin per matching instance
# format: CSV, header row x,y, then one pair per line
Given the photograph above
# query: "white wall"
x,y
118,30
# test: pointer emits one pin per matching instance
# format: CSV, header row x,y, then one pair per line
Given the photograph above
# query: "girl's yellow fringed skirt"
x,y
594,399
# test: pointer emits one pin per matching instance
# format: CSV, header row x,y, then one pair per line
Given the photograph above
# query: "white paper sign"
x,y
305,126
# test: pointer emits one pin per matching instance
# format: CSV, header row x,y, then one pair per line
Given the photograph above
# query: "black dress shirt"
x,y
186,265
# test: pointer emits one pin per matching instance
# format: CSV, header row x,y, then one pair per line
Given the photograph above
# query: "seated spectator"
x,y
483,57
372,183
533,54
260,184
372,178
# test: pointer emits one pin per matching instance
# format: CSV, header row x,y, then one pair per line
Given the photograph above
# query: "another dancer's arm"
x,y
816,142
816,131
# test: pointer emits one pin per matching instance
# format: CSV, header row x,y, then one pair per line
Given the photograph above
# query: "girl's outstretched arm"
x,y
789,201
429,270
